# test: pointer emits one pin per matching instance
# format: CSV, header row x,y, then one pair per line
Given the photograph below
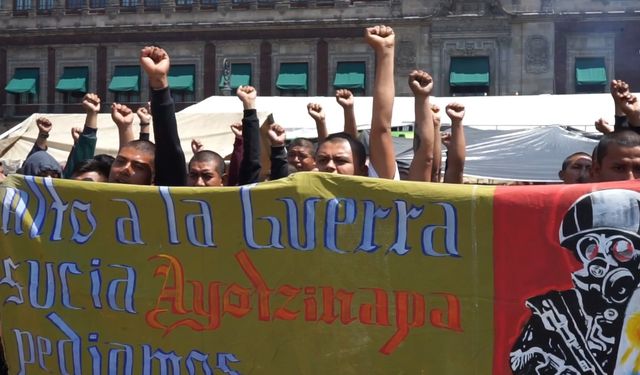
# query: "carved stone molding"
x,y
406,54
537,54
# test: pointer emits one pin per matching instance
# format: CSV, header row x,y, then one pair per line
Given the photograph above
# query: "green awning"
x,y
469,71
349,75
240,76
293,76
182,77
125,79
591,71
25,80
73,80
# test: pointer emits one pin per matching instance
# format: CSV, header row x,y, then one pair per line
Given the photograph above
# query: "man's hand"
x,y
196,146
603,126
380,38
421,83
445,138
455,111
277,135
316,112
344,97
247,95
91,103
44,125
236,128
75,134
155,62
121,115
144,114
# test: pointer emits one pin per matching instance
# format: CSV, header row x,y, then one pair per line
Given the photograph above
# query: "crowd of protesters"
x,y
162,162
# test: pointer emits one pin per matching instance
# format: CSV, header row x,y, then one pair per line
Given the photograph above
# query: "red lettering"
x,y
240,308
283,313
453,314
258,282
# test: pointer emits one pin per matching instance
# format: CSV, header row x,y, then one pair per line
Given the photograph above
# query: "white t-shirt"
x,y
373,173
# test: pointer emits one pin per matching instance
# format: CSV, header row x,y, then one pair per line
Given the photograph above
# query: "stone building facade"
x,y
48,48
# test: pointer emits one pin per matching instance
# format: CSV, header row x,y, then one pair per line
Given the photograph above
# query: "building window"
x,y
240,4
293,79
72,97
75,4
350,75
184,3
209,3
127,97
45,5
125,83
591,75
97,4
25,84
182,83
240,76
22,5
73,84
266,4
152,4
469,76
128,3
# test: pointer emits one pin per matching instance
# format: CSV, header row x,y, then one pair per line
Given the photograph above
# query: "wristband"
x,y
43,135
145,123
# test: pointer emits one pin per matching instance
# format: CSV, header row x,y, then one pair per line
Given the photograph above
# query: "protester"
x,y
576,168
169,165
456,145
94,170
421,166
84,145
343,154
617,157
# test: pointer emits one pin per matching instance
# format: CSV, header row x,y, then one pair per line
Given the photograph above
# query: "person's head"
x,y
342,154
602,230
206,168
41,164
576,168
105,159
135,164
617,157
91,170
300,155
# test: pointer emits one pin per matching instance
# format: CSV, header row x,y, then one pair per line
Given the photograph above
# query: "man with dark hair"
x,y
206,168
300,155
617,157
91,170
576,168
135,164
342,154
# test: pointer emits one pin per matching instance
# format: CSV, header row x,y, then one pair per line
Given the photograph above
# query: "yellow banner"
x,y
311,274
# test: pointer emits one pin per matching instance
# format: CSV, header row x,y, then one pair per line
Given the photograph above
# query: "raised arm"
x,y
279,165
171,169
84,140
233,174
122,116
250,165
421,166
456,154
317,114
344,97
381,152
44,128
144,114
437,144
